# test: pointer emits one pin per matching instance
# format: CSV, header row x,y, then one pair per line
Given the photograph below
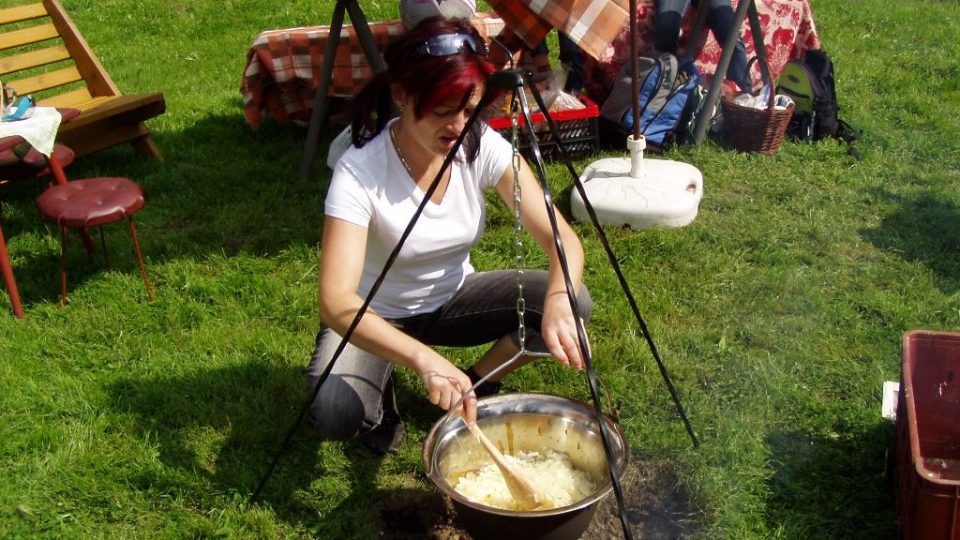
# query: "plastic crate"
x,y
928,436
578,130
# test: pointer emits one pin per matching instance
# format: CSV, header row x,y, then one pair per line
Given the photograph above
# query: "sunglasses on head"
x,y
448,44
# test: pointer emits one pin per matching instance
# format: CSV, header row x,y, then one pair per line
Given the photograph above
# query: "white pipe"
x,y
636,147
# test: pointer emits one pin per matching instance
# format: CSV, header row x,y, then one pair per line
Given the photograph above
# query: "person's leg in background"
x,y
720,18
571,56
666,24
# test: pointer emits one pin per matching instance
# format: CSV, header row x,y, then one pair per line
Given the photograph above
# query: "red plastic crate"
x,y
928,436
578,129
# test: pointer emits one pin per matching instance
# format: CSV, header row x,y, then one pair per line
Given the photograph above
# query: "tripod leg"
x,y
610,254
320,102
700,129
568,283
367,41
428,194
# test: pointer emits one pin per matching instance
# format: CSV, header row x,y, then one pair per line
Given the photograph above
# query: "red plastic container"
x,y
578,130
928,436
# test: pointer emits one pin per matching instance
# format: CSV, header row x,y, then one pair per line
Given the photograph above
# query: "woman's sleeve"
x,y
347,199
496,155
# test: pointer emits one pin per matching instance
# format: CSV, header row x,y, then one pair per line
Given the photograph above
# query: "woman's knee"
x,y
337,409
337,412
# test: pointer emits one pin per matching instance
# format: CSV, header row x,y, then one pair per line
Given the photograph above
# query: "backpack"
x,y
666,83
809,82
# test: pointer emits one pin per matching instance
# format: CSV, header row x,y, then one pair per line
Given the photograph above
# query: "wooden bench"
x,y
42,53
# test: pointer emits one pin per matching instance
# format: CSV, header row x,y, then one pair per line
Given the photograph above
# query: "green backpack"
x,y
809,82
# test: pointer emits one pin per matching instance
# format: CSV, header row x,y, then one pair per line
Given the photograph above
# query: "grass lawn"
x,y
779,311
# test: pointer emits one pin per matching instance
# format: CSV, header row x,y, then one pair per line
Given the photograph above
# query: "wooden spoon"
x,y
520,487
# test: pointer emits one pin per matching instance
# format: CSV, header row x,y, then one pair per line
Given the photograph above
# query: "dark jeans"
x,y
570,54
351,400
666,32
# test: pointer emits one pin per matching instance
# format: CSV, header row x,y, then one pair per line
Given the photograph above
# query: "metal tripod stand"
x,y
515,81
321,101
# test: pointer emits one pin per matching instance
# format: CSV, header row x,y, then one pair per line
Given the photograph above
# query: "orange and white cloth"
x,y
592,24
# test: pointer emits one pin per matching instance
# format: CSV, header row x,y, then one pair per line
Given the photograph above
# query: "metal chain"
x,y
518,226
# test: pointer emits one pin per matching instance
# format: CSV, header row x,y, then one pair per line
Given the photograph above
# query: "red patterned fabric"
x,y
284,67
788,31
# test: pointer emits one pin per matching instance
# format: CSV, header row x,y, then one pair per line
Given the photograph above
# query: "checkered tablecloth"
x,y
593,24
788,32
284,67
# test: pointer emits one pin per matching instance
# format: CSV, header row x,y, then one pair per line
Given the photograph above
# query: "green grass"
x,y
779,311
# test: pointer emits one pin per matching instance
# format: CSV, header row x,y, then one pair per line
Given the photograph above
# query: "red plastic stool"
x,y
92,202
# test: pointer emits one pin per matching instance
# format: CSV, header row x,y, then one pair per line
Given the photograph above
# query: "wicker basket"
x,y
755,130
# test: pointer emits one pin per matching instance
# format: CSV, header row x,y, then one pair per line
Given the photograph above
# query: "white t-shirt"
x,y
370,187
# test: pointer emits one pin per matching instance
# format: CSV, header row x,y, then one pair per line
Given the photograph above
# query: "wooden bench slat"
x,y
76,99
22,13
32,59
26,36
129,106
46,81
66,73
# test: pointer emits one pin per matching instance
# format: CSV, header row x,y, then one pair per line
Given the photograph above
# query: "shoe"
x,y
390,434
488,388
388,437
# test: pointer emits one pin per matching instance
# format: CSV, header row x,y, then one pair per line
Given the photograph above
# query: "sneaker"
x,y
388,437
488,388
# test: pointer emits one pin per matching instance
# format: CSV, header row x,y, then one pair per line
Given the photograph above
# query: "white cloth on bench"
x,y
40,130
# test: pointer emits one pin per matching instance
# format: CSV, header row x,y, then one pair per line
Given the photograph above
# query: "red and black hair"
x,y
431,80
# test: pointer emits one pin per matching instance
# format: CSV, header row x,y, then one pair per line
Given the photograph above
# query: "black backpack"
x,y
809,81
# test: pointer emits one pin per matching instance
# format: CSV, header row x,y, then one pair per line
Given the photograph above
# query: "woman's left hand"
x,y
559,331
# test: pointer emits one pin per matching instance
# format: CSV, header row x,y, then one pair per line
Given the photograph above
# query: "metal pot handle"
x,y
501,367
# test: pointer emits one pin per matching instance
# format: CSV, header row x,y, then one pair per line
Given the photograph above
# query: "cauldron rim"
x,y
586,503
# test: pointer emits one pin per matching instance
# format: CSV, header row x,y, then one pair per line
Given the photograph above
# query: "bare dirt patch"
x,y
656,507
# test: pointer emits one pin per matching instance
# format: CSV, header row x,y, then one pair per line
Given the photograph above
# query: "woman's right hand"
x,y
445,384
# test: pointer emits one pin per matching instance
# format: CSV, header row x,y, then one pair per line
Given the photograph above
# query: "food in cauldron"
x,y
557,481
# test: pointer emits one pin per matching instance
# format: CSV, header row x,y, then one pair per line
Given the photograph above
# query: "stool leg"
x,y
8,276
143,269
106,256
53,162
63,266
87,242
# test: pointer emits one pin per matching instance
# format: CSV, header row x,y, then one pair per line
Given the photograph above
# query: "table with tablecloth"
x,y
284,66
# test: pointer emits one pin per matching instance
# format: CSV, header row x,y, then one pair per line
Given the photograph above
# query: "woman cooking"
x,y
431,296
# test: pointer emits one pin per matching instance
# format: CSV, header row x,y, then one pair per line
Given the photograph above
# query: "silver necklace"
x,y
393,138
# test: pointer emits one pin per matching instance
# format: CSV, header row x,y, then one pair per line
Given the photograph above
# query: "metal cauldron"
x,y
530,422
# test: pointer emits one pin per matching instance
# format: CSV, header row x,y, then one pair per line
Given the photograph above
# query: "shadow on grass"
x,y
924,229
216,431
815,477
221,189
